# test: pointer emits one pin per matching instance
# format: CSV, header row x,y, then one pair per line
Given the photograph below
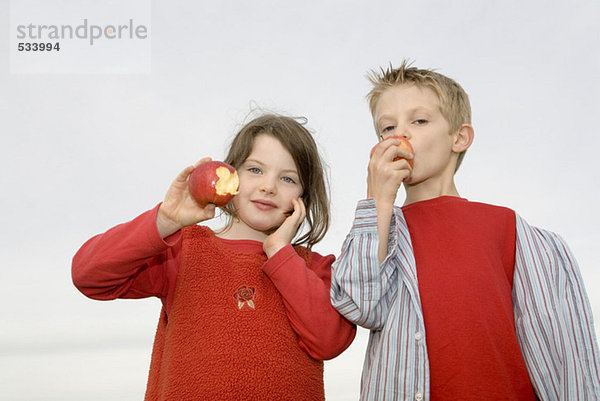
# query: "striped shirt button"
x,y
418,336
418,396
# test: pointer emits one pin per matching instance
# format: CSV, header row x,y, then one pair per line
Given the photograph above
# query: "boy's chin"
x,y
410,181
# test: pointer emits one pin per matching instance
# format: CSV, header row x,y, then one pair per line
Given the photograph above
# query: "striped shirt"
x,y
553,317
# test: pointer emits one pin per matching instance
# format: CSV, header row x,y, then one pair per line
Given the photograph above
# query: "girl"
x,y
245,314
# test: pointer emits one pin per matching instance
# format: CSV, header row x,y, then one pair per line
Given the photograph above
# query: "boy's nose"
x,y
401,131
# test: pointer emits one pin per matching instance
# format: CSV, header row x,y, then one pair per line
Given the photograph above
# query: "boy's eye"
x,y
388,128
420,122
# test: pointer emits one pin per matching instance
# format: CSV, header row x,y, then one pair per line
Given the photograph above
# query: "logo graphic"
x,y
80,36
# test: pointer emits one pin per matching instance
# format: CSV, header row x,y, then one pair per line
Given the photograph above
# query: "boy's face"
x,y
415,113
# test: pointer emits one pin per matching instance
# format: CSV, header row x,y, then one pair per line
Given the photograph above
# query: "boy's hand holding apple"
x,y
391,164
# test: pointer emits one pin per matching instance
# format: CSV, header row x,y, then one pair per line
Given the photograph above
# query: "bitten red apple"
x,y
214,182
404,144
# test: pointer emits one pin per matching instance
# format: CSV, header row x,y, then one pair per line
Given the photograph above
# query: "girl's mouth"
x,y
264,204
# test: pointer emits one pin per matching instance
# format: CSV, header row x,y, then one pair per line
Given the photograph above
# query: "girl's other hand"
x,y
179,209
287,230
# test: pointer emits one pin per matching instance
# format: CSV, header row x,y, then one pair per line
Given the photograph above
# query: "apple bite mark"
x,y
214,182
228,182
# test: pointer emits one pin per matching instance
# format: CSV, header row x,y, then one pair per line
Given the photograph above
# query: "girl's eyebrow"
x,y
253,161
292,171
287,171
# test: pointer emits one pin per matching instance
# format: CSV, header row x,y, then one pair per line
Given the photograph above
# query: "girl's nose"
x,y
267,186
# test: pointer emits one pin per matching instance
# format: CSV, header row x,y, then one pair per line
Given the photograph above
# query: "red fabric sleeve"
x,y
322,332
130,260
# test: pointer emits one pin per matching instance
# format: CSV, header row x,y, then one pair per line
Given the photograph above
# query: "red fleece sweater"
x,y
227,336
259,328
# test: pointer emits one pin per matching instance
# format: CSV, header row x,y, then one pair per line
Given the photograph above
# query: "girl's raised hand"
x,y
287,230
179,209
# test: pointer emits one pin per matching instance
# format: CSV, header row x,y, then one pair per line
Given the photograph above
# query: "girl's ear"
x,y
463,138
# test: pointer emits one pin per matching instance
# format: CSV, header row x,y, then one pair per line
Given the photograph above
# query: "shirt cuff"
x,y
160,242
365,217
278,260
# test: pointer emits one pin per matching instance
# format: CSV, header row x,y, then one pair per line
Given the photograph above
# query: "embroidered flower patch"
x,y
245,296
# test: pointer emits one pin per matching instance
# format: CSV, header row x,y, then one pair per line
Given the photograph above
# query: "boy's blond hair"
x,y
454,101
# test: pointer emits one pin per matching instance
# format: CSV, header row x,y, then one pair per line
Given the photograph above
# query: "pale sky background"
x,y
84,152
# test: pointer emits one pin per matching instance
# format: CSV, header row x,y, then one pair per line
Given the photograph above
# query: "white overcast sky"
x,y
84,152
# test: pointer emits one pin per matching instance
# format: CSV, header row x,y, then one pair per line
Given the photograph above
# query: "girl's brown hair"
x,y
302,147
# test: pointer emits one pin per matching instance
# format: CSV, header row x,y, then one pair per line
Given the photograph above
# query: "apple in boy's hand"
x,y
404,144
214,182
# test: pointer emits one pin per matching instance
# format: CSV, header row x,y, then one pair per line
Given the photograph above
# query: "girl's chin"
x,y
266,228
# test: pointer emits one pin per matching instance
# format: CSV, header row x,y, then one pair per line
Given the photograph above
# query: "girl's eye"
x,y
288,179
254,170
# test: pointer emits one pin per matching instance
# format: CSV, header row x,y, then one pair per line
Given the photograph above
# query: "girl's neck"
x,y
237,230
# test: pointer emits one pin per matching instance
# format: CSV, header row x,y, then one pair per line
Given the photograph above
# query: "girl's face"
x,y
269,181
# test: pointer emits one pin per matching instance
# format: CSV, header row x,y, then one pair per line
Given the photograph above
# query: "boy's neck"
x,y
429,190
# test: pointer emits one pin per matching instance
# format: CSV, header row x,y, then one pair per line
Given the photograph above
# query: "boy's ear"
x,y
463,138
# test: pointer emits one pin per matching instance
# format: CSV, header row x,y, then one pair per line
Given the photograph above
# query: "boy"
x,y
464,300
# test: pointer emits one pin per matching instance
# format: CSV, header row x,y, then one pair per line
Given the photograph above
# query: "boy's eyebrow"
x,y
413,110
383,117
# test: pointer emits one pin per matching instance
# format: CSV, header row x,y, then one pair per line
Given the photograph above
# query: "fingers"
x,y
295,219
178,204
388,169
392,151
302,208
203,160
207,212
299,211
380,149
287,230
184,174
389,155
